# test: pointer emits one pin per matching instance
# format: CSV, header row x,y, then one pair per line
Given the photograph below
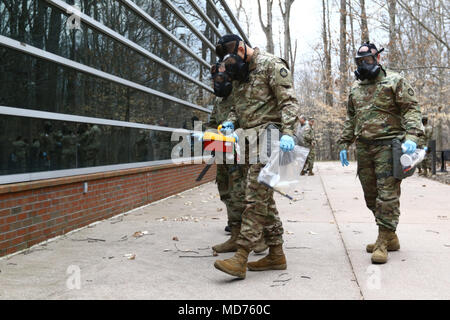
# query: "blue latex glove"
x,y
409,146
343,157
227,128
287,143
198,136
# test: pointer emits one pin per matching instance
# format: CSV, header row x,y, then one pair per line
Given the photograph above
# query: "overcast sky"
x,y
306,25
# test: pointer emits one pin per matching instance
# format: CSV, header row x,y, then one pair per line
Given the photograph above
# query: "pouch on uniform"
x,y
397,167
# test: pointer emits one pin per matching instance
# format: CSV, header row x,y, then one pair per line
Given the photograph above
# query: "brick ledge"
x,y
32,185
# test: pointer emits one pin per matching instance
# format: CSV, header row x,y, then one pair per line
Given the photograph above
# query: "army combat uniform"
x,y
266,98
425,165
309,140
230,178
378,111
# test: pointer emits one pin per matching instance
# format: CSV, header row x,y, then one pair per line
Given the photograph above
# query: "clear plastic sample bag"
x,y
283,168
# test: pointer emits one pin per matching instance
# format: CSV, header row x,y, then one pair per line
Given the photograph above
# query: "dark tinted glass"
x,y
92,48
33,83
31,145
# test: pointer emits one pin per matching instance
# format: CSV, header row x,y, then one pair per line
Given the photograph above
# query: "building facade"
x,y
90,94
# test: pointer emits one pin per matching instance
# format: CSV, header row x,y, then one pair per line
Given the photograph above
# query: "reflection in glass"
x,y
32,145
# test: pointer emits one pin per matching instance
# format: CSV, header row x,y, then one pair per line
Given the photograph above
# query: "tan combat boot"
x,y
380,252
229,245
236,265
393,245
275,260
302,173
260,246
310,173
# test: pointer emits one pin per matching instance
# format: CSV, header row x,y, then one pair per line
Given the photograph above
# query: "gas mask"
x,y
237,68
222,80
366,61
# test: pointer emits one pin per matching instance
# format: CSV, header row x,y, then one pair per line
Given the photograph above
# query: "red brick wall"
x,y
31,213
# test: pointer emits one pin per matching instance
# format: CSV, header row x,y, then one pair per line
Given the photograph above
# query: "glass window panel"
x,y
34,145
92,48
32,83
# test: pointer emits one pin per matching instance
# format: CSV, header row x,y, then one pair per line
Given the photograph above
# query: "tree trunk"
x,y
343,54
269,26
289,54
392,46
326,50
364,27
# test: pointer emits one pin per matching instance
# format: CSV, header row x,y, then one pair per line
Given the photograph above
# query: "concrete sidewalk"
x,y
326,231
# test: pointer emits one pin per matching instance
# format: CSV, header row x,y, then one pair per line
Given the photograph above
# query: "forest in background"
x,y
415,38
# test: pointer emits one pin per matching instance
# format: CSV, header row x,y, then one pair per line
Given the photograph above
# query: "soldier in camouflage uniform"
x,y
69,148
262,94
230,178
381,106
19,155
47,144
425,165
89,145
309,141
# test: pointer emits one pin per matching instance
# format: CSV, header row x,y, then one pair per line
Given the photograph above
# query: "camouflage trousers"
x,y
309,163
260,217
381,189
230,181
426,163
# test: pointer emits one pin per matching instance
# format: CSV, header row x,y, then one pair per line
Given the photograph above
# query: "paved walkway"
x,y
326,231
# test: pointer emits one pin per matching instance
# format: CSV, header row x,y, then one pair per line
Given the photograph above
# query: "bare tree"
x,y
343,53
267,28
289,53
327,53
364,27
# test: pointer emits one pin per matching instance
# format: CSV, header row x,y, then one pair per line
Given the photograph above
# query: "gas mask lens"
x,y
367,60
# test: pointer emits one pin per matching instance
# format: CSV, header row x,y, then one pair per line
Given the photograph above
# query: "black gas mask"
x,y
366,61
222,80
236,67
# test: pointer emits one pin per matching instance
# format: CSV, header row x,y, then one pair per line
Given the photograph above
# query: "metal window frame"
x,y
205,17
219,15
144,15
28,113
189,24
20,46
235,21
130,44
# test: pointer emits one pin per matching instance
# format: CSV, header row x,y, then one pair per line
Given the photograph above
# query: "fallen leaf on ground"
x,y
289,232
313,233
175,239
215,254
139,234
433,231
130,256
219,209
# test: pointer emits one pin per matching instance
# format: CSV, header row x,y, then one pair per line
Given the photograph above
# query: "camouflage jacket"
x,y
381,109
268,96
428,135
309,136
220,112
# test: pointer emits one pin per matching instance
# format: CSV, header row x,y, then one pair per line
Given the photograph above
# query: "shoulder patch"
x,y
411,92
283,72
